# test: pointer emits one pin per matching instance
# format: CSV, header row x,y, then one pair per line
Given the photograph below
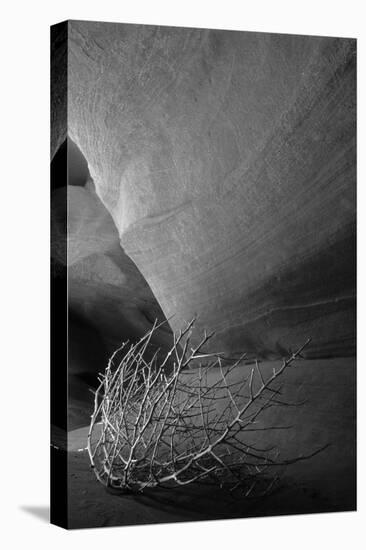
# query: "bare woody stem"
x,y
155,425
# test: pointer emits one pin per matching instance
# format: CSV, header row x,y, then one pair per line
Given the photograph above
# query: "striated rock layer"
x,y
227,162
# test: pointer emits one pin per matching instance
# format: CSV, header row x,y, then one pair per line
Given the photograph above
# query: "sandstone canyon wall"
x,y
227,162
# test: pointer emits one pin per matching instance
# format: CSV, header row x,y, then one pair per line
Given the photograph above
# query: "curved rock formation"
x,y
109,301
227,161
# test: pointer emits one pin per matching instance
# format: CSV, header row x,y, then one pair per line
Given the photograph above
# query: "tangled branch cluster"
x,y
155,424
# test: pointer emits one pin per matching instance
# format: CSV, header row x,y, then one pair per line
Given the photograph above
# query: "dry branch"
x,y
155,425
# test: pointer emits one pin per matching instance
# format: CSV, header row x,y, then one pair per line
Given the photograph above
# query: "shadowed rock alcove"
x,y
109,300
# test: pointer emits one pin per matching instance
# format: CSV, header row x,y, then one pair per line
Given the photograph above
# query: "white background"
x,y
24,231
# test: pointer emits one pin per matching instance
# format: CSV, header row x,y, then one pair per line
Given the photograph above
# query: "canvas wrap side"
x,y
59,308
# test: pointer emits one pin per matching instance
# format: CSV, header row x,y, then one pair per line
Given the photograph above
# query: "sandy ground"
x,y
323,483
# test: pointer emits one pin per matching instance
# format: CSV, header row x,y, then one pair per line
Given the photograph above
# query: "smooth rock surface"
x,y
227,162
